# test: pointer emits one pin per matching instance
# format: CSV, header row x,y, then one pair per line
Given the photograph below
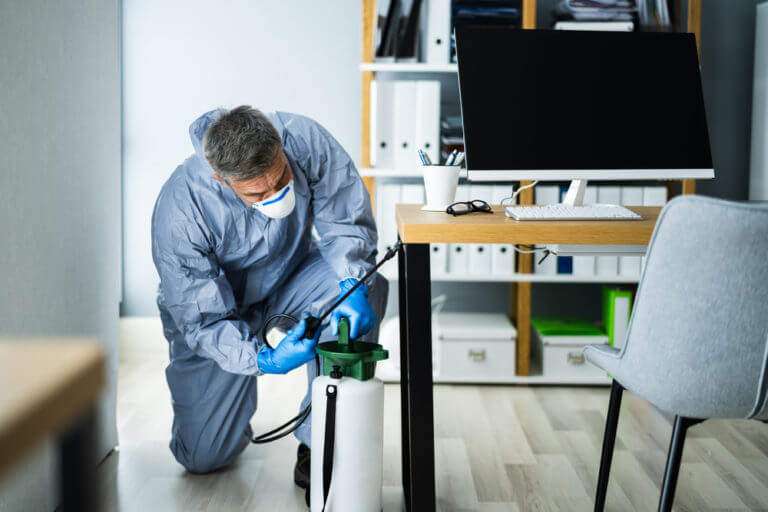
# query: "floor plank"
x,y
498,448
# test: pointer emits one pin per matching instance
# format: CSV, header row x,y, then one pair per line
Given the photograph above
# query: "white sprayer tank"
x,y
358,447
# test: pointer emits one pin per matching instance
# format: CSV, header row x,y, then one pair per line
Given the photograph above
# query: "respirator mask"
x,y
279,204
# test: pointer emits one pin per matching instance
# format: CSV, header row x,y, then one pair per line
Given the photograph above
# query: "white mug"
x,y
440,183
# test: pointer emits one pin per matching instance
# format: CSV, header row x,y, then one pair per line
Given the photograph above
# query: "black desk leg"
x,y
77,466
418,432
404,418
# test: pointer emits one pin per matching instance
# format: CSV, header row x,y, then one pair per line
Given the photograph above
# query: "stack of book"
x,y
605,15
612,15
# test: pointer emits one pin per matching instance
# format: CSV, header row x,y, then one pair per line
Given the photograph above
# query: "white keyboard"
x,y
567,212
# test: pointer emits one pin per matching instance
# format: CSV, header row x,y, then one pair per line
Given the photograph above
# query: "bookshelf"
x,y
521,281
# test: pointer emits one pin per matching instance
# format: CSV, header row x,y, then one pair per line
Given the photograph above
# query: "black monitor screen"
x,y
549,100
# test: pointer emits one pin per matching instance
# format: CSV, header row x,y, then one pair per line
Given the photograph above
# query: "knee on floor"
x,y
204,459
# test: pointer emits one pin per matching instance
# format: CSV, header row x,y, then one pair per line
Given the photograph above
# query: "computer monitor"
x,y
566,105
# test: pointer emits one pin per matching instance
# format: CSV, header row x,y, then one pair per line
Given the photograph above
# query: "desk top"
x,y
44,385
419,227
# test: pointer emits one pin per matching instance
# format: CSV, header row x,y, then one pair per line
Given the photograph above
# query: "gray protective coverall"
x,y
225,268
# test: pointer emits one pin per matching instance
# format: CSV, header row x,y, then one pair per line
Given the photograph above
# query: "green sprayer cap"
x,y
356,359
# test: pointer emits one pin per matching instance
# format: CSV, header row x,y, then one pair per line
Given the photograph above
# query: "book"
x,y
617,308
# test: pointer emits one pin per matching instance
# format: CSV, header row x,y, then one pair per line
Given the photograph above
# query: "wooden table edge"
x,y
438,229
55,406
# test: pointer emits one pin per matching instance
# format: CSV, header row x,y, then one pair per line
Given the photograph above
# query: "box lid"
x,y
475,326
567,331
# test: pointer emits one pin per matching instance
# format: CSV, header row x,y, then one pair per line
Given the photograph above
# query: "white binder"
x,y
427,120
458,254
480,259
438,259
629,266
482,192
608,265
590,194
458,258
437,43
388,195
382,124
405,126
653,196
585,265
631,196
462,193
545,194
502,259
480,254
502,192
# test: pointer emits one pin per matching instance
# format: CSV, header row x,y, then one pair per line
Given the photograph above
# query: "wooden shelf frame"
x,y
520,303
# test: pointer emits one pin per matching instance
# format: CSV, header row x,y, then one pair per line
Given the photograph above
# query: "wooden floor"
x,y
499,448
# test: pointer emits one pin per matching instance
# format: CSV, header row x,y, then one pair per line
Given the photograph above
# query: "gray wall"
x,y
59,193
758,185
727,61
184,58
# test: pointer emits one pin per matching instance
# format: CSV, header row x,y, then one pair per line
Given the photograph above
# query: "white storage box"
x,y
563,356
475,347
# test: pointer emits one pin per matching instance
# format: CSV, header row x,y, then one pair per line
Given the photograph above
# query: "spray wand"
x,y
313,323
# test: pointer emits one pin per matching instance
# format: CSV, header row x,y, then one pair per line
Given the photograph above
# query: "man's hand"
x,y
356,308
292,352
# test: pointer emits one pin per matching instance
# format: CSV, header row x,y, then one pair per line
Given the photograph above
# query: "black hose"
x,y
299,419
313,323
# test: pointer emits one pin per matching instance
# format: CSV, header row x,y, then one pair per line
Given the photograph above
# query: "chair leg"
x,y
609,440
673,461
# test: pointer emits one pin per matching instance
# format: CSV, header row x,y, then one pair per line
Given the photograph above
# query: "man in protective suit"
x,y
268,216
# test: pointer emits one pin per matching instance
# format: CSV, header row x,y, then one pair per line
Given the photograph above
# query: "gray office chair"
x,y
697,345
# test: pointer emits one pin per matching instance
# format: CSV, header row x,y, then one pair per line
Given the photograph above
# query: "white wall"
x,y
59,194
183,58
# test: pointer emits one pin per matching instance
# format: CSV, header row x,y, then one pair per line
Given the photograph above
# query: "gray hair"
x,y
241,144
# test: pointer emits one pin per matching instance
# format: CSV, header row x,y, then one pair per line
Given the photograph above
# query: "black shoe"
x,y
301,471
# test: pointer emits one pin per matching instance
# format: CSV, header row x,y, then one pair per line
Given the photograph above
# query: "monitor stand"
x,y
575,197
575,194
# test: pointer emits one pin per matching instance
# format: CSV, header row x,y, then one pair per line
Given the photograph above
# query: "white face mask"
x,y
279,204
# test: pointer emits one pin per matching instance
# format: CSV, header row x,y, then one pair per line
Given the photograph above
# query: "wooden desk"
x,y
50,387
417,229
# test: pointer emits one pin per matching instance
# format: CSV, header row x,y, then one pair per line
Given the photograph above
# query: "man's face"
x,y
262,187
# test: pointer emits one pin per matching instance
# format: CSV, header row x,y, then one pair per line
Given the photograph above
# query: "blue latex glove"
x,y
292,352
356,308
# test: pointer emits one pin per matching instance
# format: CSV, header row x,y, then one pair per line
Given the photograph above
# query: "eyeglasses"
x,y
465,207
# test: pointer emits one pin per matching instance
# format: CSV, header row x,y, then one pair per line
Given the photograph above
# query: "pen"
x,y
421,156
451,157
429,160
459,159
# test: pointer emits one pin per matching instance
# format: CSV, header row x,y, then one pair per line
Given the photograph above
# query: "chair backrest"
x,y
696,344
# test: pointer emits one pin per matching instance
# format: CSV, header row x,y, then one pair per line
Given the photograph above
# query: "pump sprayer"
x,y
347,427
349,406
